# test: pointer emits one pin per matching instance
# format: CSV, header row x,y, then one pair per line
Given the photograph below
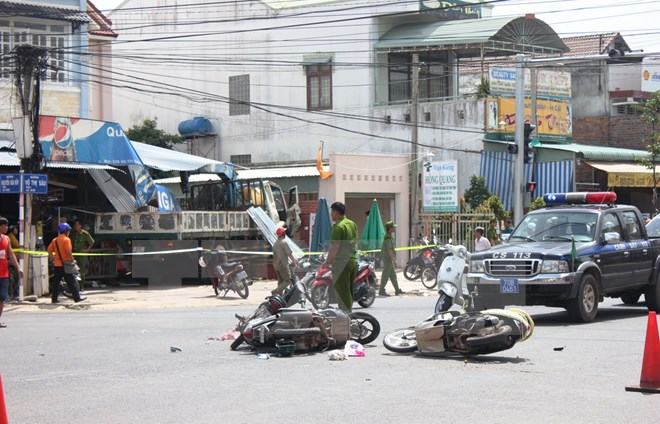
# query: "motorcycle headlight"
x,y
477,265
554,266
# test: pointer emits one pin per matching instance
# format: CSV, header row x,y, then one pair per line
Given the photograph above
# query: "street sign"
x,y
10,183
440,187
23,183
35,183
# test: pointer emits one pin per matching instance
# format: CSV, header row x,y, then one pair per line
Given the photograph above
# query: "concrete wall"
x,y
371,176
100,104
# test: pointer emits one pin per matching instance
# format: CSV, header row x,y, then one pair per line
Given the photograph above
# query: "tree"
x,y
149,133
651,116
495,204
478,192
537,203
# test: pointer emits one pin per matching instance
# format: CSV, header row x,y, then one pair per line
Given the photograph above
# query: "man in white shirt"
x,y
480,242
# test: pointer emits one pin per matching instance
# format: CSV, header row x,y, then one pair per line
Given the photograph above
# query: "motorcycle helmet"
x,y
275,303
63,228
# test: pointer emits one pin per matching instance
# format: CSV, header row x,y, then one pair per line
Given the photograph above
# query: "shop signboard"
x,y
440,186
454,9
555,120
651,74
549,84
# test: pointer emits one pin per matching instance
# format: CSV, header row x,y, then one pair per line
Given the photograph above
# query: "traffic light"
x,y
531,186
185,187
528,131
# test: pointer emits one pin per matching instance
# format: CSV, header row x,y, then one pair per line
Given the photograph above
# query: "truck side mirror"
x,y
611,238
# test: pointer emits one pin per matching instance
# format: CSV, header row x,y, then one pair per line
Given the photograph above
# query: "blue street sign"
x,y
35,183
10,183
26,183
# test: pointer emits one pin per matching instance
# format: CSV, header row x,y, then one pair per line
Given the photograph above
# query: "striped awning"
x,y
550,177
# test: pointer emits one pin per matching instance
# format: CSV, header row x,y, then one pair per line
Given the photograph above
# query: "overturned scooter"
x,y
277,325
473,333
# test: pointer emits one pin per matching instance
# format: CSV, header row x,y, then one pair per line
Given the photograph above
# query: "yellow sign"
x,y
629,179
555,117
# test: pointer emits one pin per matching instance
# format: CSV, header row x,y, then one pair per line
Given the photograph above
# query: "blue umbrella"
x,y
321,229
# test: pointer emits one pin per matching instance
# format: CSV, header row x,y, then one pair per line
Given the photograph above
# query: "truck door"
x,y
613,258
640,251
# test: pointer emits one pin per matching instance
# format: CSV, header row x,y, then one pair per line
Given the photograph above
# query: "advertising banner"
x,y
651,74
440,186
455,9
555,120
549,84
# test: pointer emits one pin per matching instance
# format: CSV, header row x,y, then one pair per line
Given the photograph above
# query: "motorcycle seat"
x,y
229,265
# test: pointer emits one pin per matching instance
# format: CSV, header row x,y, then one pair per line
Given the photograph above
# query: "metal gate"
x,y
459,227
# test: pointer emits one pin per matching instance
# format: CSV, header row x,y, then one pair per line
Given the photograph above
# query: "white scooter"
x,y
452,289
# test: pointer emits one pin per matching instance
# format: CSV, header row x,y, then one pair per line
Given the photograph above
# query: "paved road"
x,y
116,367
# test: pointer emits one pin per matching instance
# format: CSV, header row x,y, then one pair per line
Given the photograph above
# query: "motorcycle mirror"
x,y
450,241
202,262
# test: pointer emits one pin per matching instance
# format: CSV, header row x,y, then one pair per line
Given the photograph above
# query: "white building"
x,y
299,72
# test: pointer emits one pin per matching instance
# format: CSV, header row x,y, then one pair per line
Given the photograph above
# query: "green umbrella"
x,y
374,232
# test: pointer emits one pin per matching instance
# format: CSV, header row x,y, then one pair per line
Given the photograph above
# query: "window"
x,y
632,225
319,86
239,95
628,110
15,33
433,76
610,225
241,159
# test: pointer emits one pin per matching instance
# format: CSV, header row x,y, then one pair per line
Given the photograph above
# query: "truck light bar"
x,y
598,197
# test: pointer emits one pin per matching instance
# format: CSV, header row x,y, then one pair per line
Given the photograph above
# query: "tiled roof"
x,y
593,44
13,8
102,25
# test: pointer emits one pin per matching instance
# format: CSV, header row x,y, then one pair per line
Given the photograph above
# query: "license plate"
x,y
509,286
242,275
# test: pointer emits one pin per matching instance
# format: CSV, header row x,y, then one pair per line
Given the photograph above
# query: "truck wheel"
x,y
652,296
584,307
630,298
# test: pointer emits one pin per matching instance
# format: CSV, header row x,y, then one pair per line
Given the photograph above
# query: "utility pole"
x,y
30,64
519,162
414,166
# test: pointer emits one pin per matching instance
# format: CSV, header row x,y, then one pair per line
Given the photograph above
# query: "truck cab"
x,y
571,254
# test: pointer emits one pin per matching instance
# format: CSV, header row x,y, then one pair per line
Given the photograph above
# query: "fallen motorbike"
x,y
473,333
275,324
364,285
225,275
450,279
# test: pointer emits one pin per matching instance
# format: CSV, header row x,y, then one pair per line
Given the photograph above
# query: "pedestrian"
x,y
6,257
60,252
342,256
14,281
281,256
480,242
82,242
389,260
491,233
508,226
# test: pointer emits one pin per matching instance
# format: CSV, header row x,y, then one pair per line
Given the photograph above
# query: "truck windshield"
x,y
556,226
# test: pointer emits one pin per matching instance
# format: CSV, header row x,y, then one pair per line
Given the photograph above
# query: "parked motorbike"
x,y
423,258
225,275
364,285
430,271
276,324
451,287
473,333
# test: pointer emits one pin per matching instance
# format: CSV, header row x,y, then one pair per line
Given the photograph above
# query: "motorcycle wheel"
x,y
64,289
364,328
243,290
237,342
402,340
500,340
320,297
412,271
428,277
368,299
443,304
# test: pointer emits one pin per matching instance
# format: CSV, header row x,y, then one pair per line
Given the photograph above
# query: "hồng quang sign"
x,y
440,186
454,9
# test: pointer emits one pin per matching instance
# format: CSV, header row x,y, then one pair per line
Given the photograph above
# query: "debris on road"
x,y
263,356
230,335
353,348
337,355
214,339
175,349
559,348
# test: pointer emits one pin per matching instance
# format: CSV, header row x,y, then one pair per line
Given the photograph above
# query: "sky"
x,y
638,21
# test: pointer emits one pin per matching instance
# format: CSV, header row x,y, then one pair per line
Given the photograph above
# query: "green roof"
x,y
520,31
589,152
291,4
